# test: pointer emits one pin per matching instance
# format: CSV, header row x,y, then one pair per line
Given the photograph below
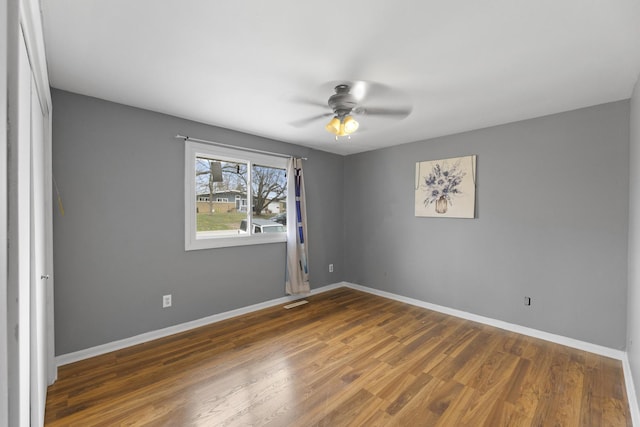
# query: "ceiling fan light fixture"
x,y
334,126
342,131
342,126
350,125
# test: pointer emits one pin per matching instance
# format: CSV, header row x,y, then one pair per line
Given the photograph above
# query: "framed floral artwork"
x,y
446,188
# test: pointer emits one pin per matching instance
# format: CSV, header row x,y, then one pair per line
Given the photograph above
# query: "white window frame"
x,y
196,149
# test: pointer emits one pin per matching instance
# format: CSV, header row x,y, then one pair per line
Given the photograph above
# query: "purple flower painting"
x,y
446,187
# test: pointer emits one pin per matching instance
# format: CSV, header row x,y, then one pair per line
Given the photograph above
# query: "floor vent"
x,y
297,303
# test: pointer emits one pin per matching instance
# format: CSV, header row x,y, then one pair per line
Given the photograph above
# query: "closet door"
x,y
29,231
23,240
39,273
31,247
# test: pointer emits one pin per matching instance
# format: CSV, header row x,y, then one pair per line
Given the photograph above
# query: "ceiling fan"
x,y
351,99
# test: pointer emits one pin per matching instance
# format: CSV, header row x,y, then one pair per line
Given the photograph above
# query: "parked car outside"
x,y
281,218
262,226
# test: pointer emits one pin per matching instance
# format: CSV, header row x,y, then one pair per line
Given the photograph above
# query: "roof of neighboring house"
x,y
238,192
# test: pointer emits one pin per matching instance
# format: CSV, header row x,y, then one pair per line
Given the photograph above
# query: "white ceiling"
x,y
248,64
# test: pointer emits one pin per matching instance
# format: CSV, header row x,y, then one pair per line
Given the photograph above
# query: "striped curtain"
x,y
297,280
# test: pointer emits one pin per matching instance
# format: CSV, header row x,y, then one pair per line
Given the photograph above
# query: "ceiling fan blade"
x,y
373,111
360,89
307,101
308,120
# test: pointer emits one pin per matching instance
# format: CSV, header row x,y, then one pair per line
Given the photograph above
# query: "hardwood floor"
x,y
346,358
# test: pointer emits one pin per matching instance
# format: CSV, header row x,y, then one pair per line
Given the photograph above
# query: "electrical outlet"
x,y
166,301
330,268
527,300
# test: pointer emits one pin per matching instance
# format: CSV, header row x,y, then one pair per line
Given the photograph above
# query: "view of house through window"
x,y
233,197
222,194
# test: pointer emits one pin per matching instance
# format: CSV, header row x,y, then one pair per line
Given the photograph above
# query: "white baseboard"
x,y
76,356
65,359
632,397
558,339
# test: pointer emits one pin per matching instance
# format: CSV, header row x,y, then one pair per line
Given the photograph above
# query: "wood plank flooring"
x,y
346,358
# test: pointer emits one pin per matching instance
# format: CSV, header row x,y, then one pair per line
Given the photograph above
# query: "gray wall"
x,y
552,206
633,314
120,245
552,209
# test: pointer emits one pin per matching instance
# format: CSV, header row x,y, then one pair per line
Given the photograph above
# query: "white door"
x,y
23,226
29,231
39,274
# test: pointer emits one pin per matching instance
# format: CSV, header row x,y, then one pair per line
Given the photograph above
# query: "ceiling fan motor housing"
x,y
342,102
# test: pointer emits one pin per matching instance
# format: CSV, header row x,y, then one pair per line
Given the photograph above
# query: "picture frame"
x,y
446,188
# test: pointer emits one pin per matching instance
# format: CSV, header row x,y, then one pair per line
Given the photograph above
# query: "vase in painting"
x,y
441,205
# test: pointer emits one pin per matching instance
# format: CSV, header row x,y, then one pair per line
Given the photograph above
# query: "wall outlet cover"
x,y
166,301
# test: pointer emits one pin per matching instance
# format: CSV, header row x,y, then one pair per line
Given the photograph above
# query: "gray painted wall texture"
x,y
633,314
551,224
120,245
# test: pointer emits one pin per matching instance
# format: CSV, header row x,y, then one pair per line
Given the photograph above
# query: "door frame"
x,y
39,273
4,224
31,25
26,66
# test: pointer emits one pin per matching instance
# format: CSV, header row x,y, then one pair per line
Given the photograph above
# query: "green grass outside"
x,y
221,220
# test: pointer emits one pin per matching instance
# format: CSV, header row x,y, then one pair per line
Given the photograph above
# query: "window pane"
x,y
226,187
269,187
221,197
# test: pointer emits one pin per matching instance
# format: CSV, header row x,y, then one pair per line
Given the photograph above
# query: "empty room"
x,y
319,214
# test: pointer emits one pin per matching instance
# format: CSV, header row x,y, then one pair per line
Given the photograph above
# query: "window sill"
x,y
225,242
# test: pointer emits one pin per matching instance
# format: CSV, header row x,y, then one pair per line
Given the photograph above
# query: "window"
x,y
219,182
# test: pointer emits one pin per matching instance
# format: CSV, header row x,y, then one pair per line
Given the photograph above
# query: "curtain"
x,y
297,279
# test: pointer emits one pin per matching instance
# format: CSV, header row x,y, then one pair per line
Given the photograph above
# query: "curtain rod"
x,y
220,144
